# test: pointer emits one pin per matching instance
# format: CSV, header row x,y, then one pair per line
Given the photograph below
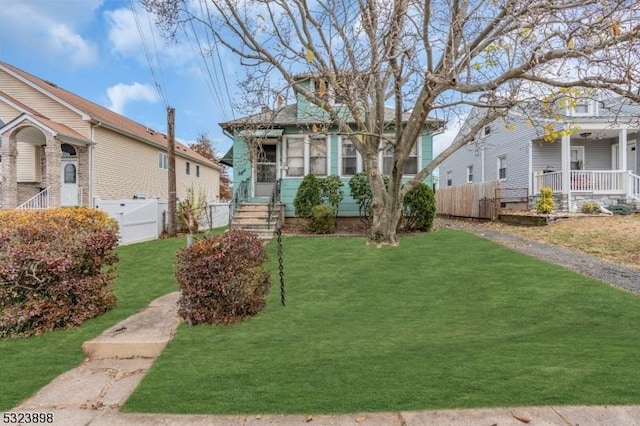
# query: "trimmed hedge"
x,y
56,268
222,278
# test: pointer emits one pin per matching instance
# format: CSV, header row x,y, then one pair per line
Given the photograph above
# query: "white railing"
x,y
634,186
596,181
40,201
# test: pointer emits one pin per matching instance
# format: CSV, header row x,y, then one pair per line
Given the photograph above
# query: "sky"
x,y
111,53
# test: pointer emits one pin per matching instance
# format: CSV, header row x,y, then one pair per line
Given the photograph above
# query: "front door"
x,y
266,169
69,189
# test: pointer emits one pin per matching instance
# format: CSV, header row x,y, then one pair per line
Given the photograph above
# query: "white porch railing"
x,y
39,201
596,181
634,186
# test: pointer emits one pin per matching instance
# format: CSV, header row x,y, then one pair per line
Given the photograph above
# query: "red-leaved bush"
x,y
222,278
56,268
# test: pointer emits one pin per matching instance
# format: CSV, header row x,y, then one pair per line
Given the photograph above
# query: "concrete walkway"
x,y
92,393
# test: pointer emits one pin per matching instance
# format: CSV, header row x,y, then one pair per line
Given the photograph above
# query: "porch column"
x,y
622,149
9,172
566,166
52,176
622,158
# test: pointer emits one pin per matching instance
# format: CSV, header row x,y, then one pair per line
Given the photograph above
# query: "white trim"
x,y
418,155
359,162
163,158
469,169
28,82
580,150
530,178
498,159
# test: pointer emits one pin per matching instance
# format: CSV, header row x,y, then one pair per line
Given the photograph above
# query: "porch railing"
x,y
596,181
240,196
40,201
634,186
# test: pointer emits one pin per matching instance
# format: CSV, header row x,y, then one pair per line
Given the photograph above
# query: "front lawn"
x,y
145,272
445,320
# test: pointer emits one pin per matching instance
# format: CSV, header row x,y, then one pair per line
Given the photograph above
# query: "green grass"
x,y
445,320
145,272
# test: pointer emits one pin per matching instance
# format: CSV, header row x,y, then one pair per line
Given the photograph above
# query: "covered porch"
x,y
43,164
591,163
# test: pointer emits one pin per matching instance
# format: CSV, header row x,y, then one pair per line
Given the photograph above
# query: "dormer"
x,y
582,108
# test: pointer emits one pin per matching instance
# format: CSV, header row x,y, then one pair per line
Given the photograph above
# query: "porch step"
x,y
253,217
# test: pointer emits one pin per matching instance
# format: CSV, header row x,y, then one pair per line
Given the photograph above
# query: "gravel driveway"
x,y
605,271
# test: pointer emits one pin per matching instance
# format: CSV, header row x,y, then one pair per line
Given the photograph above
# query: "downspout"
x,y
91,163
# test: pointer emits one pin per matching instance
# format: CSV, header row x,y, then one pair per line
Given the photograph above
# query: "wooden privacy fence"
x,y
474,200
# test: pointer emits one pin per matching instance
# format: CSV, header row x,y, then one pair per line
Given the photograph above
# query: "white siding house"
x,y
595,160
59,149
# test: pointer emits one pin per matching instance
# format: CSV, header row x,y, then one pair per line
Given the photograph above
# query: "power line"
x,y
148,56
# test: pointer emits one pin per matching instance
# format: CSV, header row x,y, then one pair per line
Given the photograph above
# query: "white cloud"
x,y
122,93
51,28
126,36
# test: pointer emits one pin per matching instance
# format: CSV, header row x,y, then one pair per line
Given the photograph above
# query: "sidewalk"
x,y
92,393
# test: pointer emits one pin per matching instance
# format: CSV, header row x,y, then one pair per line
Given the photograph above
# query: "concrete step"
x,y
144,334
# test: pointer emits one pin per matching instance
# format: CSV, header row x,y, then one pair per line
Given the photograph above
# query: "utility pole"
x,y
171,148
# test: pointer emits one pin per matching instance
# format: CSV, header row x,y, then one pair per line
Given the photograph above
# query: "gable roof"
x,y
91,111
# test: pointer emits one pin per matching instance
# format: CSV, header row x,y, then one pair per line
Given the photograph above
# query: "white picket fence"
x,y
144,220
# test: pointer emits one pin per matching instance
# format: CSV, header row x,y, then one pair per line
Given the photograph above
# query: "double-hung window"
x,y
469,174
410,166
349,157
163,161
318,156
502,167
295,156
306,156
449,177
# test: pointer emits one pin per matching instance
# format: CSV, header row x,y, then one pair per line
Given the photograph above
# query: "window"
x,y
67,150
197,170
486,131
502,167
583,107
163,161
469,174
577,158
318,156
188,168
410,167
349,158
449,177
295,156
70,173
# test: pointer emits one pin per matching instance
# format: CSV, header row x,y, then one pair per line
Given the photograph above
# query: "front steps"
x,y
253,217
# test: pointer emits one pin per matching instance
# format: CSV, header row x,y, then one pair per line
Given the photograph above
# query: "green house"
x,y
286,144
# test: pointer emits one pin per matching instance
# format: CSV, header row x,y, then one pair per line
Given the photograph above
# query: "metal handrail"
x,y
275,198
240,196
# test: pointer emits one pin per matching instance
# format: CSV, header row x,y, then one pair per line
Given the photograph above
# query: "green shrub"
x,y
322,220
545,203
361,193
590,207
308,196
56,268
332,192
621,209
419,208
222,278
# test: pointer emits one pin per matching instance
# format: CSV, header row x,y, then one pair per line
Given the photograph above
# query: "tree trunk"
x,y
386,208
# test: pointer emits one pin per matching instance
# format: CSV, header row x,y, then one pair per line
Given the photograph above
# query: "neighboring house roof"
x,y
54,127
288,116
98,114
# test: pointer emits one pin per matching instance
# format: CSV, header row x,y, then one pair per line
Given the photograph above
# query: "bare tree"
x,y
204,147
429,58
